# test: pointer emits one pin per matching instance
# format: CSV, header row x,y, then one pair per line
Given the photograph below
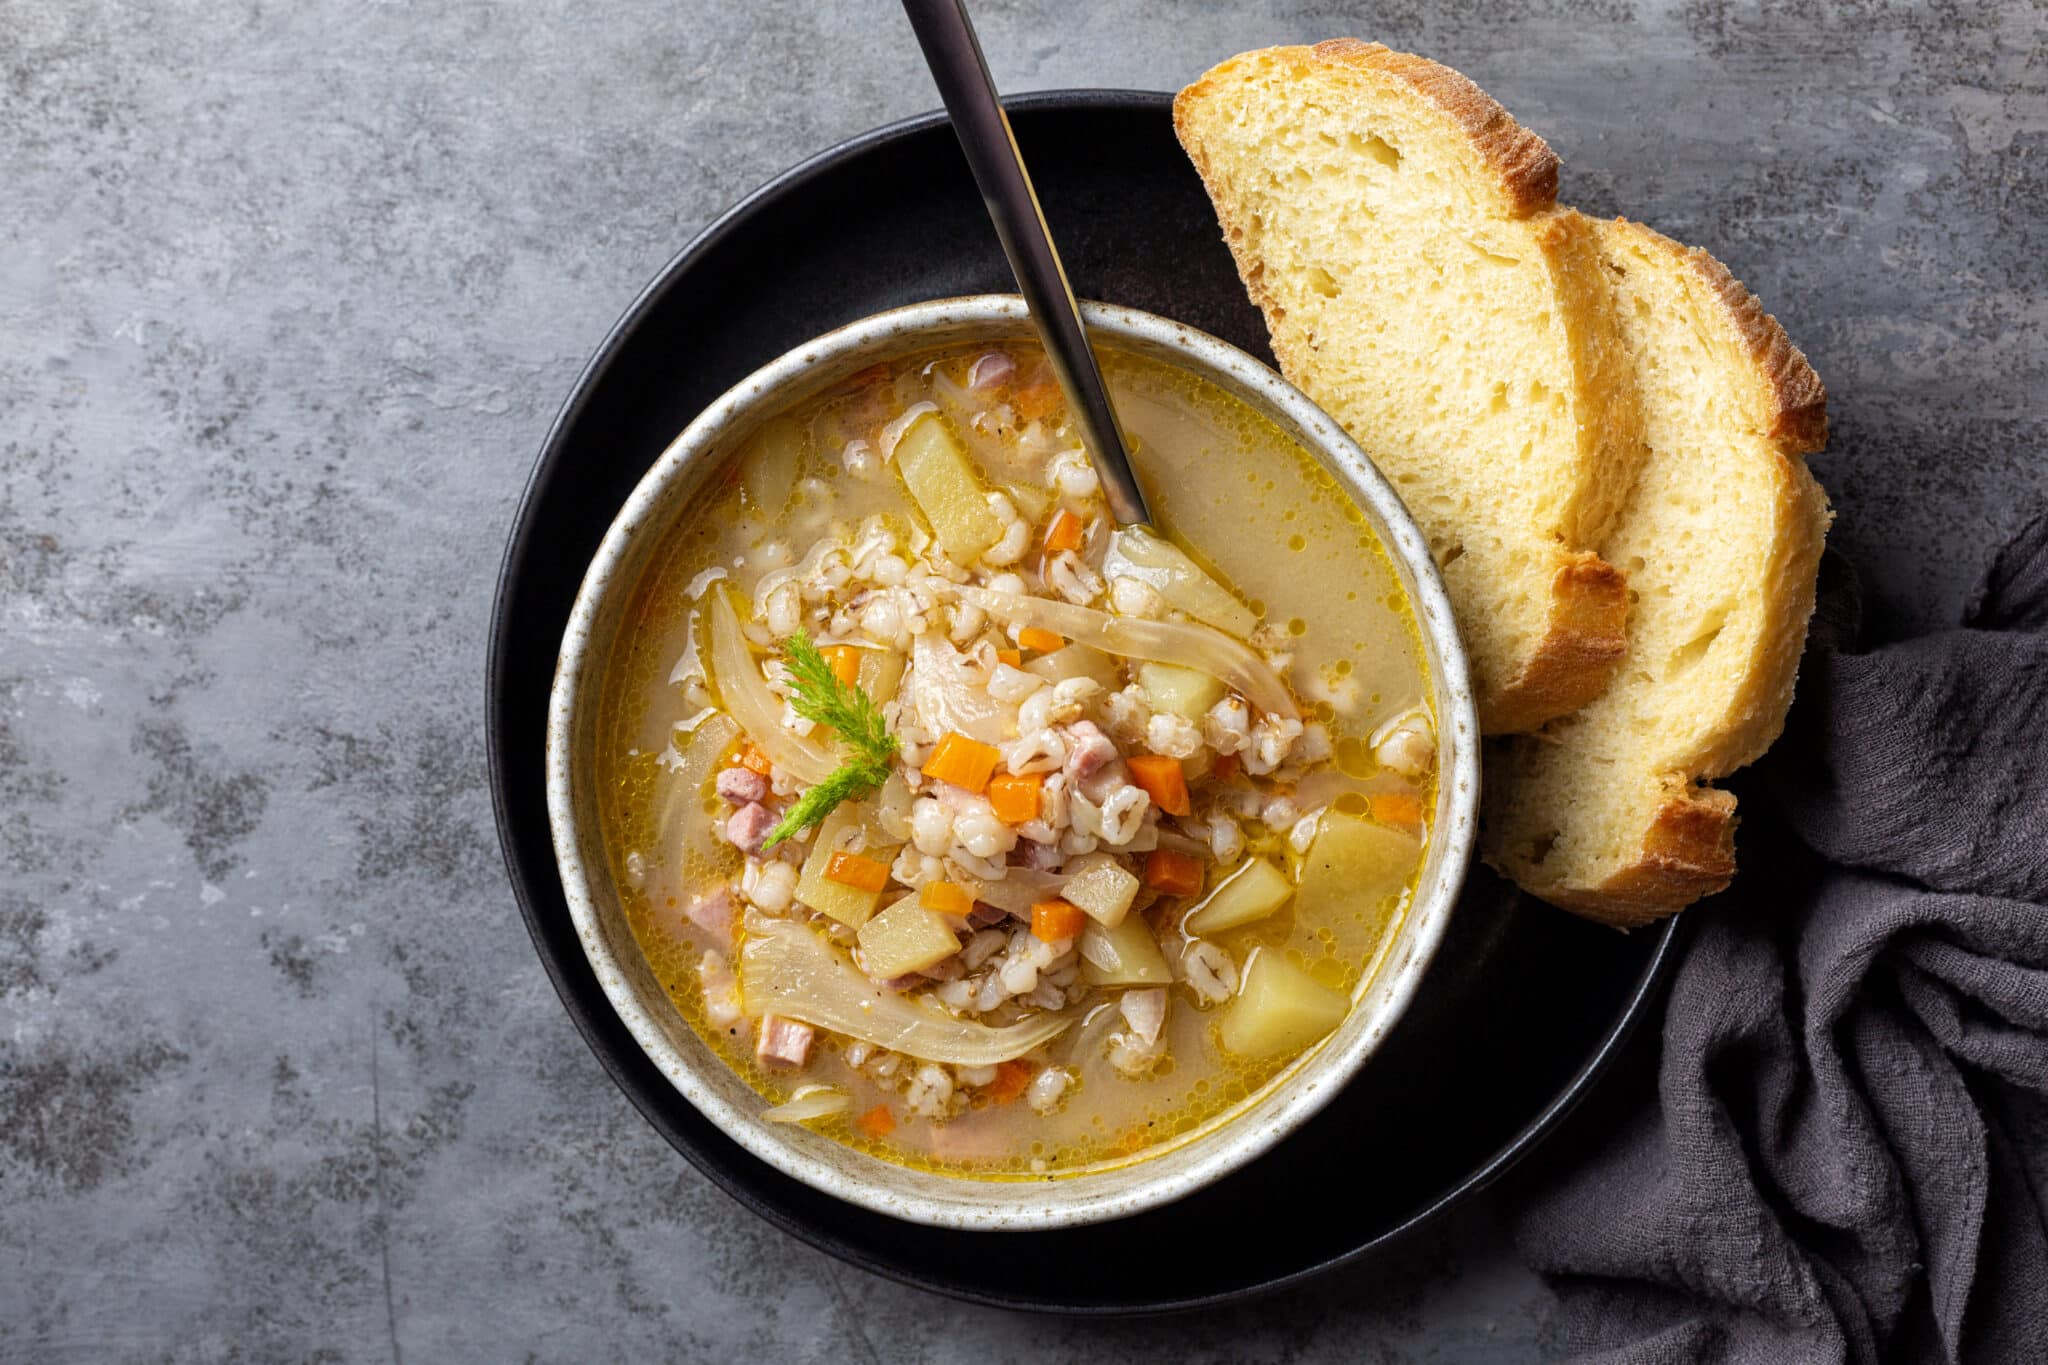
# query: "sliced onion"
x,y
967,411
748,700
948,693
1135,552
812,1102
768,469
1199,647
682,806
892,807
1019,890
1181,843
791,970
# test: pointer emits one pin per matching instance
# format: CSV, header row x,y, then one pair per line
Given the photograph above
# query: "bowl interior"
x,y
667,493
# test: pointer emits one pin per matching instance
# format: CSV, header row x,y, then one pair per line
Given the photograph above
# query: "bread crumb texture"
x,y
1607,812
1399,231
1600,431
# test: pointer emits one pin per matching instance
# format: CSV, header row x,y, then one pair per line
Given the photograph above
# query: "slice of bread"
x,y
1399,231
1604,813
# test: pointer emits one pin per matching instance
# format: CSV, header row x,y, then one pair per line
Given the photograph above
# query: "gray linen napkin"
x,y
1835,1167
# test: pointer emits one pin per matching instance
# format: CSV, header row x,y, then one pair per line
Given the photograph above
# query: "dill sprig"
x,y
817,694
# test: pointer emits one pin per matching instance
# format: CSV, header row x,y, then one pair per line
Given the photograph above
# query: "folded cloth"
x,y
1854,1067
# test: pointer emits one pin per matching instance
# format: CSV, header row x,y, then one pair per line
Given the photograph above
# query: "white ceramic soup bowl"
x,y
1211,1151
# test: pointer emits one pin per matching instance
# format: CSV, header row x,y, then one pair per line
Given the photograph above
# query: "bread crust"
x,y
1585,633
1586,642
1521,162
1793,401
1524,162
1790,408
1688,852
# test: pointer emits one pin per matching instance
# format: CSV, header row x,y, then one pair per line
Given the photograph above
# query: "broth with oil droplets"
x,y
1068,837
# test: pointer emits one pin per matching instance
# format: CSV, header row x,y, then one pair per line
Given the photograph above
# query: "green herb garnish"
x,y
817,694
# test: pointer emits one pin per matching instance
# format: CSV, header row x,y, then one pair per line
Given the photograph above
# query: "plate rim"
x,y
498,666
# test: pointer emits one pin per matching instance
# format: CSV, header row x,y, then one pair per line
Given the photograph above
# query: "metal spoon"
x,y
954,55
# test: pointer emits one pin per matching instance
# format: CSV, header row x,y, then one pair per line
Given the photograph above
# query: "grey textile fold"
x,y
1853,1075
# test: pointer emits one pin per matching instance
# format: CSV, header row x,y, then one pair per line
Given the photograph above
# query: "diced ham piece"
x,y
784,1044
748,827
713,914
741,785
983,915
945,969
1037,857
991,370
1145,1012
1087,749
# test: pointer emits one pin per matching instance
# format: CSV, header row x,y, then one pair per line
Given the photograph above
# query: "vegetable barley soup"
x,y
986,837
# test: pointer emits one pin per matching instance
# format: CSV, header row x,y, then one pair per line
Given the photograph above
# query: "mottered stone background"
x,y
288,295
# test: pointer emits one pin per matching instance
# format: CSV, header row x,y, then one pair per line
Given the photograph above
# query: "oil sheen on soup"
x,y
986,837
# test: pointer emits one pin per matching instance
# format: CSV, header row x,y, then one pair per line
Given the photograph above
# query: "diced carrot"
x,y
1039,398
845,661
1225,767
1162,780
754,761
862,874
1013,657
1013,1078
1055,920
1064,533
1044,641
877,1122
1015,796
1395,808
966,763
946,899
1172,872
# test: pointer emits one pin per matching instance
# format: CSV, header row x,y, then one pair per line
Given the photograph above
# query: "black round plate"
x,y
1524,1005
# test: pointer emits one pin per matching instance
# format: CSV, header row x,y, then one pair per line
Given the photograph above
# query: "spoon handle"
x,y
954,55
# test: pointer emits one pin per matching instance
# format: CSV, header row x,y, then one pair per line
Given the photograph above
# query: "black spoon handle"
x,y
954,55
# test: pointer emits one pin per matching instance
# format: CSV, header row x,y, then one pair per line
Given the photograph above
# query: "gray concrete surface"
x,y
288,294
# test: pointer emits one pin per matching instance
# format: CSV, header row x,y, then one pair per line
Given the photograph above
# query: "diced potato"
x,y
881,673
1353,863
1252,892
1138,553
1030,500
947,488
905,938
849,828
1127,955
1279,1010
1101,888
768,469
1182,691
1077,661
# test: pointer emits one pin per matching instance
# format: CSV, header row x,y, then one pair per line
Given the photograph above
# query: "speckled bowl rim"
x,y
1269,1115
